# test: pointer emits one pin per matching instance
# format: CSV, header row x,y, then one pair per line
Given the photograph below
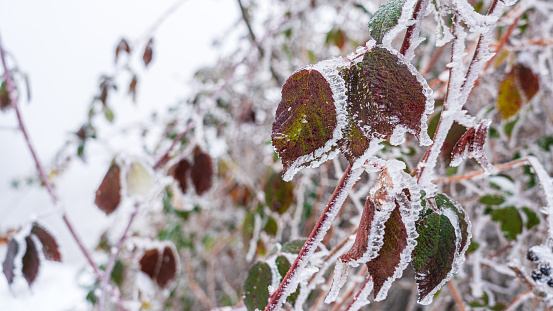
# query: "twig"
x,y
367,281
518,300
319,231
197,290
113,258
456,296
413,30
499,167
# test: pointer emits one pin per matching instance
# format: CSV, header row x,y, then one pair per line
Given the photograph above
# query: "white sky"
x,y
64,46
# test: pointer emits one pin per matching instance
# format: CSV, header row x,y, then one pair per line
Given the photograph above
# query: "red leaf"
x,y
471,145
8,264
108,194
359,247
201,172
31,261
122,46
180,173
50,247
148,52
160,267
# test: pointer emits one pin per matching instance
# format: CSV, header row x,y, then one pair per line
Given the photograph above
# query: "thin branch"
x,y
413,30
456,296
472,175
359,293
349,178
518,300
113,258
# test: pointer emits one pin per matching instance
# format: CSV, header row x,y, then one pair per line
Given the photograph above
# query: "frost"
x,y
547,186
362,299
340,278
474,20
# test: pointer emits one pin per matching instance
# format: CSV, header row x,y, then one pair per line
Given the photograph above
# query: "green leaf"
x,y
443,240
108,113
271,226
248,227
385,19
473,246
532,219
509,126
510,221
283,265
293,247
306,128
492,199
256,286
434,254
385,96
545,143
279,194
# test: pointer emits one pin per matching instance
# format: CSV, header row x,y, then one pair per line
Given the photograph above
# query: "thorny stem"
x,y
323,224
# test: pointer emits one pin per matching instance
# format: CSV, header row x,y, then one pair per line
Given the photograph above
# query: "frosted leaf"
x,y
405,20
139,180
385,92
338,281
443,240
385,18
471,145
310,117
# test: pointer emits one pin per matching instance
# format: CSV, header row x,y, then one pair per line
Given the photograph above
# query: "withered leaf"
x,y
383,95
201,172
50,246
161,267
31,261
148,52
122,46
305,121
279,194
180,174
108,194
517,88
359,246
8,265
471,145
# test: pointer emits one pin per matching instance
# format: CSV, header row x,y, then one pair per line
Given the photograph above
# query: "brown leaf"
x,y
8,264
201,172
31,261
132,87
50,247
148,52
359,247
122,46
180,174
471,145
108,194
160,267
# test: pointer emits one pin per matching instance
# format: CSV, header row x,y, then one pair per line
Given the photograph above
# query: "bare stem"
x,y
413,30
358,293
499,167
319,231
456,296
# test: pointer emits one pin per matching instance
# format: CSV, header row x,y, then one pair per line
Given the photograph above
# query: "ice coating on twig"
x,y
338,281
547,186
443,35
474,20
328,70
362,298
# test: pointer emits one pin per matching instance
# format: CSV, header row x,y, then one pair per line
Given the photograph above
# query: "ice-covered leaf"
x,y
359,247
384,19
510,221
256,286
50,247
279,194
293,247
201,172
308,118
108,194
384,266
8,265
161,264
460,220
471,145
386,97
517,88
148,52
180,174
31,261
139,180
434,254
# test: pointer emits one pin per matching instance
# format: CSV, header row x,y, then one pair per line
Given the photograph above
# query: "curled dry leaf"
x,y
108,194
201,172
123,46
471,145
180,172
161,264
31,261
148,52
50,246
